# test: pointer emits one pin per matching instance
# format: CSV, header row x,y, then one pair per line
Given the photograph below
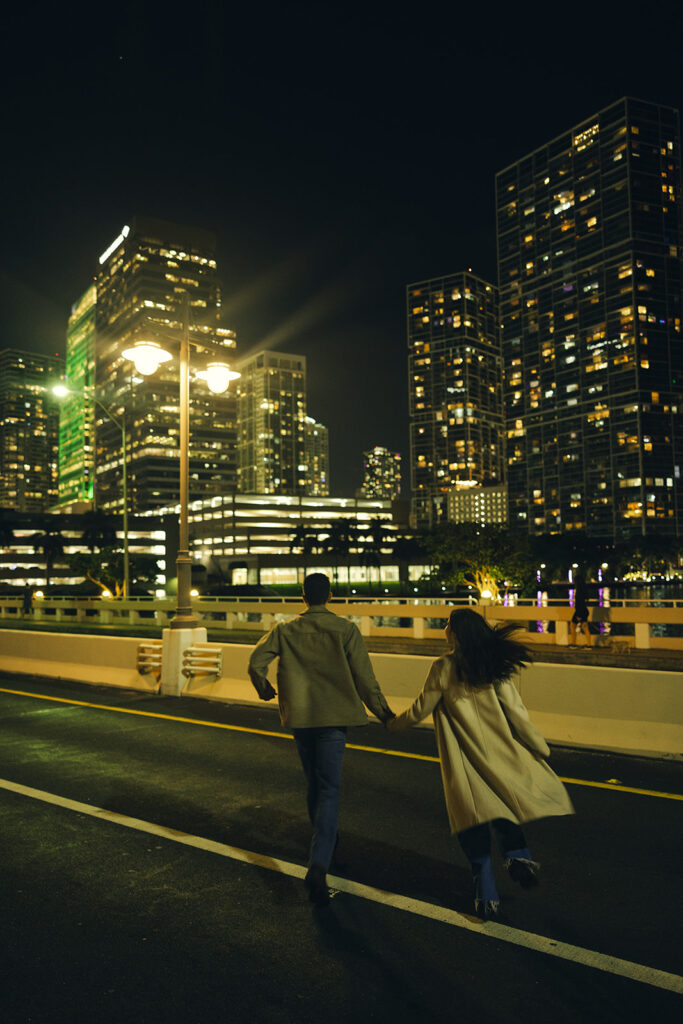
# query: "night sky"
x,y
338,151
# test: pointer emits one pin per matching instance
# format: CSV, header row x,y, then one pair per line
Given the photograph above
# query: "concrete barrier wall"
x,y
626,710
104,661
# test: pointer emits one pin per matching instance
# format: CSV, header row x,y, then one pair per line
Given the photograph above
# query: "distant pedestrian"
x,y
27,599
324,677
581,613
493,765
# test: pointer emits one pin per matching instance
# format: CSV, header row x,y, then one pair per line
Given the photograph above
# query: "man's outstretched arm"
x,y
364,678
265,650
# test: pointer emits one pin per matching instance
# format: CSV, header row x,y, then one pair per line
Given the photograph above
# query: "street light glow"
x,y
147,356
218,377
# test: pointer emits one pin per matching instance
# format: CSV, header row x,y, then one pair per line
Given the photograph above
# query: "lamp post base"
x,y
174,643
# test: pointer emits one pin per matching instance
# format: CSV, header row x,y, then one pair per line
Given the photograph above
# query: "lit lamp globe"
x,y
147,356
218,377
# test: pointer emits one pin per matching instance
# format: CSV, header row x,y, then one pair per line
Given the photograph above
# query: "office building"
x,y
24,559
275,539
143,280
381,474
455,390
589,260
271,417
487,506
29,428
77,410
317,458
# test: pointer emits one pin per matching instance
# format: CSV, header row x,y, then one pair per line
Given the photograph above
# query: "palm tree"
x,y
99,530
375,538
304,541
406,550
6,532
51,544
341,537
371,560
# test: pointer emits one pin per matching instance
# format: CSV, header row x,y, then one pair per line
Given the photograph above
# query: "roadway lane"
x,y
138,927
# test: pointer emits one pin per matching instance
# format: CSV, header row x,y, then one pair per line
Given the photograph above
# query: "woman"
x,y
492,757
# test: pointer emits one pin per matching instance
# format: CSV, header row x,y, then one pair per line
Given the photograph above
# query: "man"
x,y
324,676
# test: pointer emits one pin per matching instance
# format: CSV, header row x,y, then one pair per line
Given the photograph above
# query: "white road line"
x,y
528,940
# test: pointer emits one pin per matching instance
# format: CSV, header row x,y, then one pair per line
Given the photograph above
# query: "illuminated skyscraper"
x,y
317,448
271,416
76,412
29,426
455,389
589,262
143,279
381,474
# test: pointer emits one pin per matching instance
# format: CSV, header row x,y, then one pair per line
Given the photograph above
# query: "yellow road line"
x,y
285,736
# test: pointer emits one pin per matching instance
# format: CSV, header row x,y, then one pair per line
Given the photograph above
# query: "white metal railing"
x,y
636,623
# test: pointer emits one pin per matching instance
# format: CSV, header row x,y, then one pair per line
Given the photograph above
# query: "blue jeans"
x,y
476,845
322,751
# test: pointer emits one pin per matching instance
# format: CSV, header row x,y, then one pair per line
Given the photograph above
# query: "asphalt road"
x,y
186,903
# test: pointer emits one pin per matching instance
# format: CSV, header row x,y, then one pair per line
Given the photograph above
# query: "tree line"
x,y
487,558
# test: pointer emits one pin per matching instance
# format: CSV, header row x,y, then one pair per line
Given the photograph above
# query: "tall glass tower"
x,y
29,428
76,413
455,390
317,448
271,408
143,279
589,265
381,474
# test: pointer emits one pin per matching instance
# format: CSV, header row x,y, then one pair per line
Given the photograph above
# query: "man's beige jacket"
x,y
324,673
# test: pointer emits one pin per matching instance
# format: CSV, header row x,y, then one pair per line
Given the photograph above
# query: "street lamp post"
x,y
147,356
184,617
63,391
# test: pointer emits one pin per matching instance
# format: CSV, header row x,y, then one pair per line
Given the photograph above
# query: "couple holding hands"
x,y
493,759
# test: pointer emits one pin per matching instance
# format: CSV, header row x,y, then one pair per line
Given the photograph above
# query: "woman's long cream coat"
x,y
492,755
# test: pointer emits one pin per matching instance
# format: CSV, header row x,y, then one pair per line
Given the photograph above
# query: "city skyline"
x,y
338,161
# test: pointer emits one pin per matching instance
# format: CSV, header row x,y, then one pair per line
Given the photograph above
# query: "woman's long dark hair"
x,y
485,655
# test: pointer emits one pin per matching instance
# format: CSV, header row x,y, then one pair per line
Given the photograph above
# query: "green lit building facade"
x,y
143,279
29,430
455,391
77,411
589,259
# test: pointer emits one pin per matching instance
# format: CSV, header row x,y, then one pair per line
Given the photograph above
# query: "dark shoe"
x,y
487,910
316,886
523,871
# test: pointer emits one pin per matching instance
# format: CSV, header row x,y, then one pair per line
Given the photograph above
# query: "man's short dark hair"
x,y
317,588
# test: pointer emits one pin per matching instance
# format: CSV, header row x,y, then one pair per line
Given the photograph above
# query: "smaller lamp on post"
x,y
218,377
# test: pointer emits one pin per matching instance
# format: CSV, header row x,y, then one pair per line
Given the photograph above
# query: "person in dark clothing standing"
x,y
581,613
